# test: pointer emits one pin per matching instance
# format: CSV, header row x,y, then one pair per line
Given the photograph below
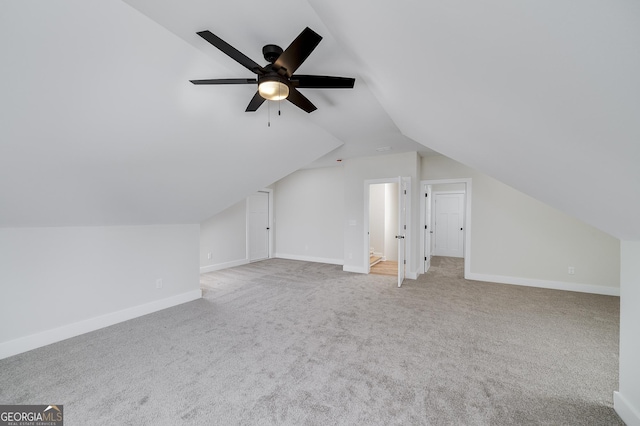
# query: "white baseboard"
x,y
225,265
626,411
27,343
554,285
356,269
309,258
411,275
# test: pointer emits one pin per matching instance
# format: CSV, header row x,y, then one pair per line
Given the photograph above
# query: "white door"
x,y
449,224
428,232
402,220
258,226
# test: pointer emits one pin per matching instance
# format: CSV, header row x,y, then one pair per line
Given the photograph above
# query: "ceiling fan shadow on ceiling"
x,y
276,80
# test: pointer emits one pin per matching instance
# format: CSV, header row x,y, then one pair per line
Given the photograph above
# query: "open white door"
x,y
402,220
428,232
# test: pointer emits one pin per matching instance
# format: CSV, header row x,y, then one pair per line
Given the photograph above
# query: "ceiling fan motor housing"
x,y
271,52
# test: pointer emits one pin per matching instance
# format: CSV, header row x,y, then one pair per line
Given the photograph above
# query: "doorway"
x,y
445,217
395,233
383,228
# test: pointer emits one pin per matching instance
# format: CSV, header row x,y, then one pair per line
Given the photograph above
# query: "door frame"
x,y
408,252
467,220
269,192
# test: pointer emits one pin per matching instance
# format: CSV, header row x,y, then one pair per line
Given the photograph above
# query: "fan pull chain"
x,y
279,99
268,114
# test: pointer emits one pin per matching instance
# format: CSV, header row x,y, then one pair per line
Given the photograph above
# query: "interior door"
x,y
402,220
449,235
258,225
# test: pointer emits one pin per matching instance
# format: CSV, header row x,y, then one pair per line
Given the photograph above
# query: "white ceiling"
x,y
101,126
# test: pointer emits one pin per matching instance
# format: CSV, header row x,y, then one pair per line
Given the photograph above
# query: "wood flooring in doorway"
x,y
387,267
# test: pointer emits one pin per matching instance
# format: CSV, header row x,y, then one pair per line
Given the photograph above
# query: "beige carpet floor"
x,y
297,343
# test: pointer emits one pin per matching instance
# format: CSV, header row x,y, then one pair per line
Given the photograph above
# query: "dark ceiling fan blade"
x,y
231,51
299,50
299,100
255,103
226,81
322,82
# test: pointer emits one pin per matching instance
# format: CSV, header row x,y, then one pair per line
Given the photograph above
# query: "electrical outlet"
x,y
209,256
572,270
159,283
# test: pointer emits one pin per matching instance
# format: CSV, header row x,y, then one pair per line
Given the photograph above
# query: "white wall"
x,y
627,400
517,238
225,237
60,282
356,172
309,215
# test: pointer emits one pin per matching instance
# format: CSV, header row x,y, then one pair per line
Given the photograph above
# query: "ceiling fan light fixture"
x,y
273,90
277,80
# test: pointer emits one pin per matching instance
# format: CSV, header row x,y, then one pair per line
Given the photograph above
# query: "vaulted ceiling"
x,y
99,124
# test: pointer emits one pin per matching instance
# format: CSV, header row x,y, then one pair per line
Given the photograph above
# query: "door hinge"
x,y
425,258
405,227
425,227
405,261
405,192
426,195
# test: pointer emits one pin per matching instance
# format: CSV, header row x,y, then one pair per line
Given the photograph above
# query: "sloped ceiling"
x,y
100,124
542,95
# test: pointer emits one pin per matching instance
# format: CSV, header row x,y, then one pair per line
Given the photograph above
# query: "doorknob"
x,y
268,229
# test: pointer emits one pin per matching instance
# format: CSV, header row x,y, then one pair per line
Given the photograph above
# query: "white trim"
x,y
626,411
27,343
448,192
411,275
355,269
310,258
225,265
554,285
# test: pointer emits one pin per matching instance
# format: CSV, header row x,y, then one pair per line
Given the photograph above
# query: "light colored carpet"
x,y
286,342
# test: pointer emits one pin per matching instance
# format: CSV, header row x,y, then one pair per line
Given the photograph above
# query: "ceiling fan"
x,y
276,80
